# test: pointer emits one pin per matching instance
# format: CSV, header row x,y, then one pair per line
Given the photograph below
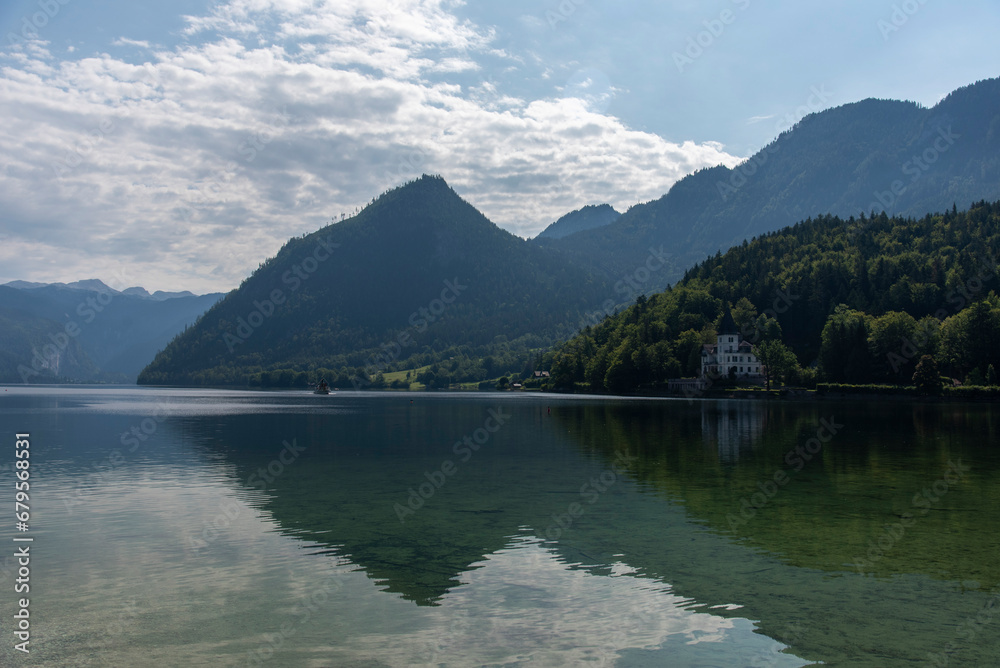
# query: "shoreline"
x,y
782,394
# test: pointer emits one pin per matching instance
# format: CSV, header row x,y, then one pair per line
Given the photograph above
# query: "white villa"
x,y
730,355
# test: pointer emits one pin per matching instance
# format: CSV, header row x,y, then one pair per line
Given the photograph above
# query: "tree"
x,y
596,369
889,339
745,316
428,378
564,370
622,375
968,338
983,330
843,353
991,375
687,350
766,328
776,360
927,376
975,378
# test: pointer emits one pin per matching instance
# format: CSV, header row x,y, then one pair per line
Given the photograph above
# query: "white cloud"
x,y
193,167
124,41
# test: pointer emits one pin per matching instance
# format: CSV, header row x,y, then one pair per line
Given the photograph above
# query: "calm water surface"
x,y
224,528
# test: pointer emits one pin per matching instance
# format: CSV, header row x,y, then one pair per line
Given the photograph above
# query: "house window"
x,y
730,339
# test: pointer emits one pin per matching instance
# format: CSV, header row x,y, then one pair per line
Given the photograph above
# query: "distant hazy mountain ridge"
x,y
87,331
96,285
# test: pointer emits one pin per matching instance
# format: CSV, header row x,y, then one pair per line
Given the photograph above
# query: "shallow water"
x,y
224,528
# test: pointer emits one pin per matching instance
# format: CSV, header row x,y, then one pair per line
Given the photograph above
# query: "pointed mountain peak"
x,y
418,191
427,205
425,185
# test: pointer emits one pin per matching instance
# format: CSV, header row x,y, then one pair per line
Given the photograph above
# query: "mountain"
x,y
97,285
587,218
86,331
159,295
37,349
863,298
418,275
360,297
872,155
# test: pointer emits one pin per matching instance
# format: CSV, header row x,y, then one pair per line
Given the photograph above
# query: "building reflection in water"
x,y
732,428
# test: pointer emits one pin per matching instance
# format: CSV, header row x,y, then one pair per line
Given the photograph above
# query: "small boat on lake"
x,y
322,388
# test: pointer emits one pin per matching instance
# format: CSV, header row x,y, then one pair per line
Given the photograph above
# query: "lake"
x,y
229,528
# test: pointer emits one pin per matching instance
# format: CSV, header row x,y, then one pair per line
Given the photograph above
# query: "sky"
x,y
177,144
